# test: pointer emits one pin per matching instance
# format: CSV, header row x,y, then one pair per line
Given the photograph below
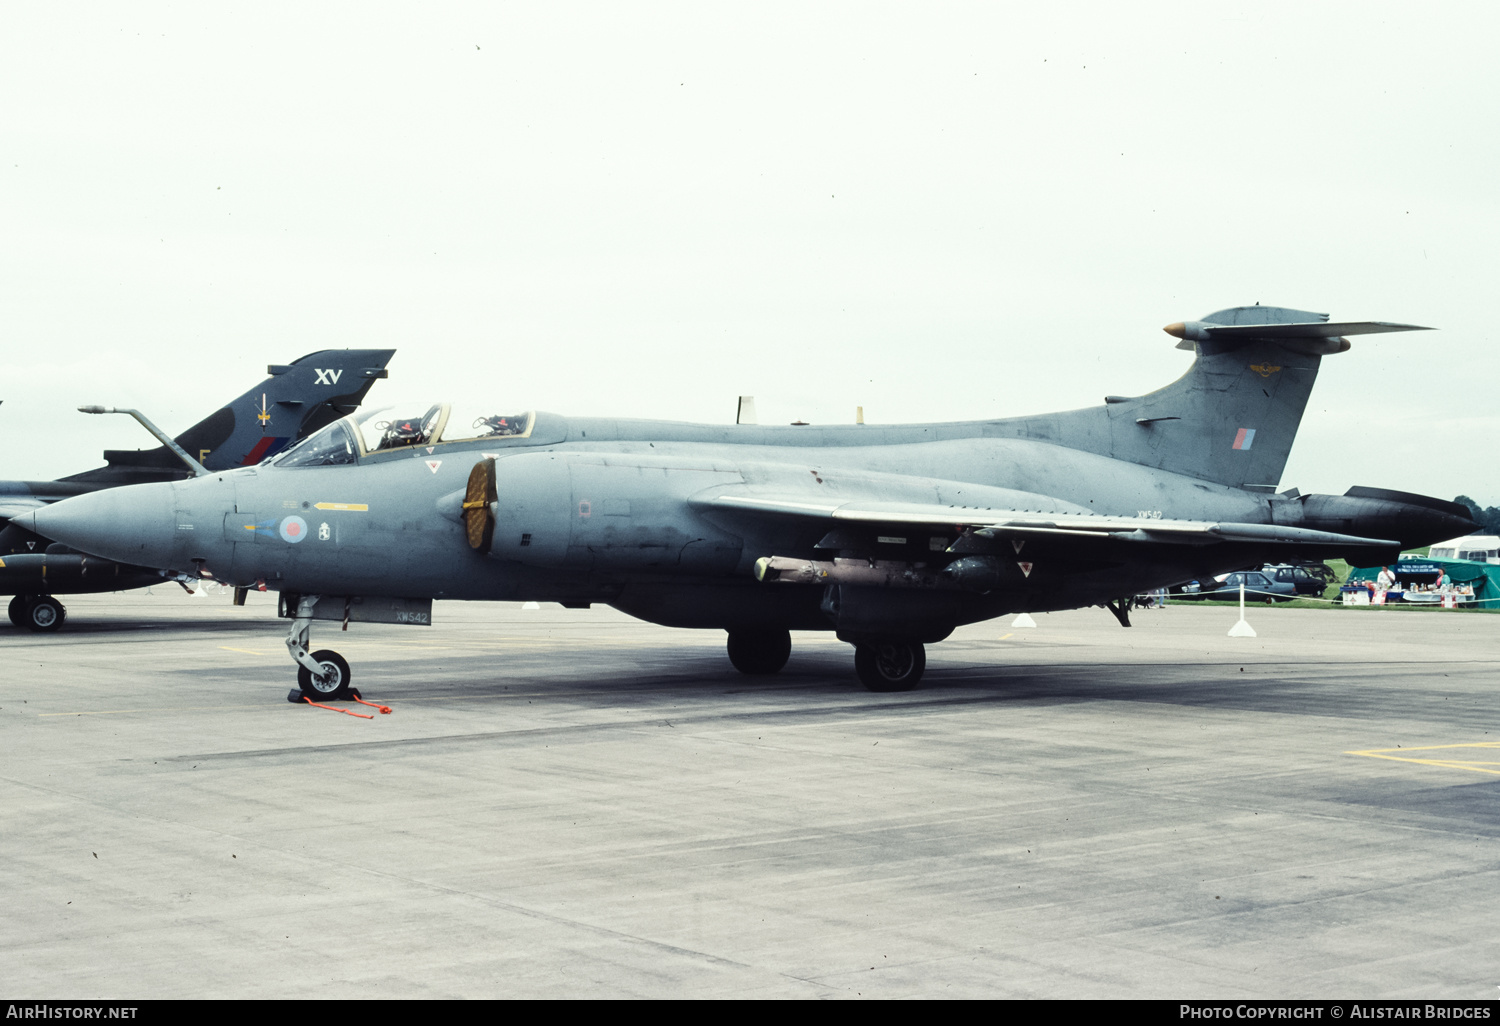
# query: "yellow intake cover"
x,y
479,518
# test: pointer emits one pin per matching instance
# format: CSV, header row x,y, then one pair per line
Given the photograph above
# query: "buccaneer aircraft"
x,y
890,536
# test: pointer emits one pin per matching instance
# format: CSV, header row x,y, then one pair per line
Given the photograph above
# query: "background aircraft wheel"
x,y
890,665
18,610
759,652
333,684
43,614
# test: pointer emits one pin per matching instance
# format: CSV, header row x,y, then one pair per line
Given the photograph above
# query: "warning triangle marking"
x,y
432,465
1016,543
1025,568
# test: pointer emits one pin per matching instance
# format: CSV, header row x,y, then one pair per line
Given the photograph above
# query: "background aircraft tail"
x,y
296,400
1232,417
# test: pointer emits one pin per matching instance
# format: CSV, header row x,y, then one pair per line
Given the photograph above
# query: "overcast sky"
x,y
935,211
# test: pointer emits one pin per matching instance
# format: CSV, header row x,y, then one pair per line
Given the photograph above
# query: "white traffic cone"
x,y
1023,620
530,605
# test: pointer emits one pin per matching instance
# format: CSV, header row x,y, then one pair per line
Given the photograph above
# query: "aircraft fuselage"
x,y
614,512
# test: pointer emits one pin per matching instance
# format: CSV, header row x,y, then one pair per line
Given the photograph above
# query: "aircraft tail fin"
x,y
1233,416
294,401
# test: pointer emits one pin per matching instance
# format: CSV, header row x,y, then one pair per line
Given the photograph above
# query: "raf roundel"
x,y
293,529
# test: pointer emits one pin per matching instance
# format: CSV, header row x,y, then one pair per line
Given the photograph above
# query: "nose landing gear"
x,y
321,675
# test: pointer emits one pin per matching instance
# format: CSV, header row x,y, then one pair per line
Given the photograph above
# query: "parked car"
x,y
1260,586
1308,580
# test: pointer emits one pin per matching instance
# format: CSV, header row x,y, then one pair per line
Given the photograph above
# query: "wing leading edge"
x,y
998,523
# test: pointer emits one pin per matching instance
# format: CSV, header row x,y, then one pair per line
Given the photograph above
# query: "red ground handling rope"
x,y
350,712
385,709
334,708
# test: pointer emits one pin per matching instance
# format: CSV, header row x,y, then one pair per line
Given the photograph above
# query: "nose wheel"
x,y
332,682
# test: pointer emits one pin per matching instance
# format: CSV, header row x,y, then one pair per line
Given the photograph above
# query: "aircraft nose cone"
x,y
134,524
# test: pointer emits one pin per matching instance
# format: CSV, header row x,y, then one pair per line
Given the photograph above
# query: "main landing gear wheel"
x,y
332,683
41,613
759,653
18,610
890,665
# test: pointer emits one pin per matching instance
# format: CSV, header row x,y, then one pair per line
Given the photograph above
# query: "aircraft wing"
x,y
1008,523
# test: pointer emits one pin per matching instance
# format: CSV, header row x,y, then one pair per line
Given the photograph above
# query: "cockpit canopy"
x,y
403,426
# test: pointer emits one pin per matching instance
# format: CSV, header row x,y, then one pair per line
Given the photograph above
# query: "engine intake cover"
x,y
479,515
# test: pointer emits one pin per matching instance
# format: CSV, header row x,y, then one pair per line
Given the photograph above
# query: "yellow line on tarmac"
x,y
1474,766
247,651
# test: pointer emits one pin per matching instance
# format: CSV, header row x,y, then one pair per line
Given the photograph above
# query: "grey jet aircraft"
x,y
891,536
298,399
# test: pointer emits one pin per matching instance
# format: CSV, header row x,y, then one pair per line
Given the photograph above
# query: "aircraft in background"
x,y
891,536
298,399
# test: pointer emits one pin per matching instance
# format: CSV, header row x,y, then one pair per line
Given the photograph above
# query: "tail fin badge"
x,y
1265,370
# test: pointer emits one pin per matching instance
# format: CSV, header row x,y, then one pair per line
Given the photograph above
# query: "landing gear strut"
x,y
890,665
759,653
321,675
41,613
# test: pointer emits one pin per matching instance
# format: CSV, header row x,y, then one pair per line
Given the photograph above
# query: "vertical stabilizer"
x,y
1233,416
294,401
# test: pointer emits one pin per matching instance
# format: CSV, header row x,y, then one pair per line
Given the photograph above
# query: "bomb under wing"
x,y
889,536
